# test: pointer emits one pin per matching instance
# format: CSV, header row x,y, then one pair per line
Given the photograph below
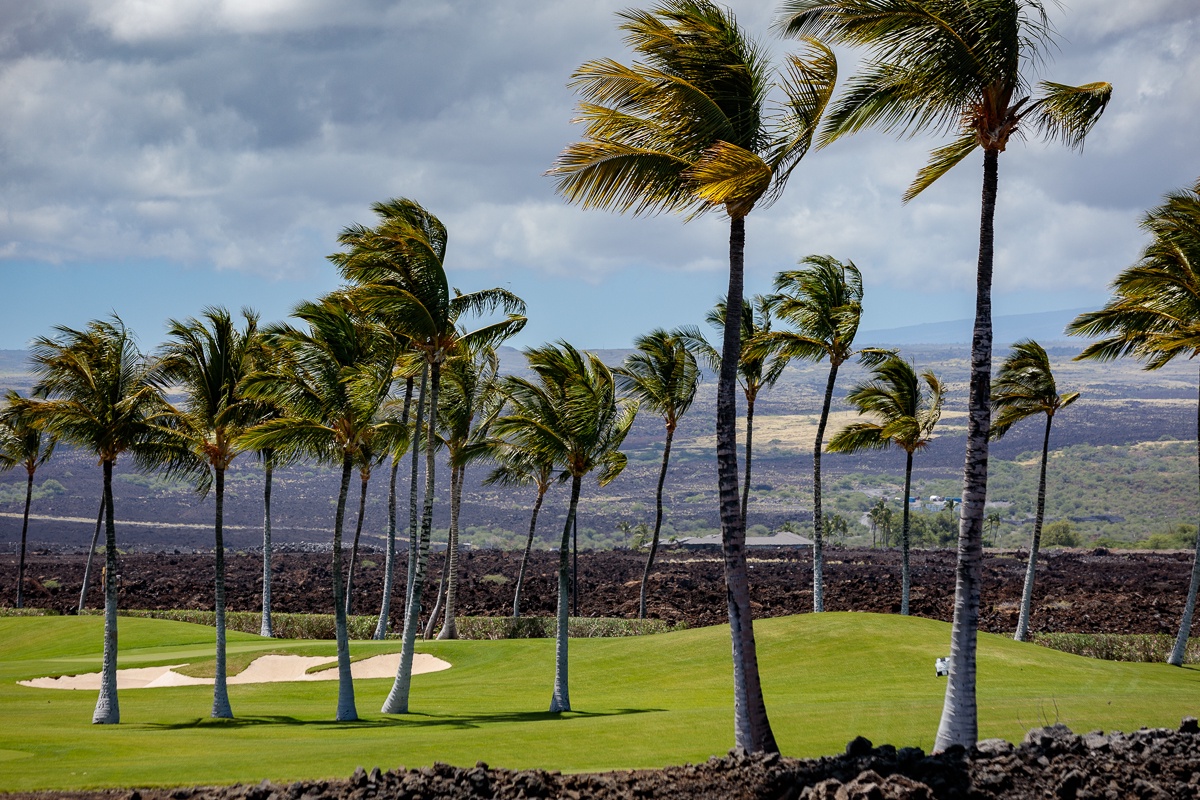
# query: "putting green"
x,y
639,702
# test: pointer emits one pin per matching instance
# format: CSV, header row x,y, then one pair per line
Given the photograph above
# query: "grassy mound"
x,y
640,702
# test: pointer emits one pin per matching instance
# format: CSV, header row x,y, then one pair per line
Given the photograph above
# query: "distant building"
x,y
781,539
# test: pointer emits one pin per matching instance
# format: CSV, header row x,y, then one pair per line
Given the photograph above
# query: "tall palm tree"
x,y
758,367
688,129
823,303
330,382
1025,387
102,396
398,272
1154,316
663,375
570,415
470,401
208,359
22,444
955,68
904,414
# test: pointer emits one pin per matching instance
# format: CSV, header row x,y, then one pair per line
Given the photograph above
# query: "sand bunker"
x,y
266,669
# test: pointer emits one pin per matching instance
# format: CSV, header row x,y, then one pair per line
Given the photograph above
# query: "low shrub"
x,y
545,627
27,612
1136,647
321,626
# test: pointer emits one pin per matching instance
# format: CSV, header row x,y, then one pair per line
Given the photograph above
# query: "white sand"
x,y
265,669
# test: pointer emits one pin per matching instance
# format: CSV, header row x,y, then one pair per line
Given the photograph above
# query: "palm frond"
x,y
1068,113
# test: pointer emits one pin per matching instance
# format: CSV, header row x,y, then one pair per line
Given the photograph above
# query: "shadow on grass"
x,y
412,720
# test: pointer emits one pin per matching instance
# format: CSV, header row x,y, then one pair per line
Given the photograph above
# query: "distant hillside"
x,y
1046,326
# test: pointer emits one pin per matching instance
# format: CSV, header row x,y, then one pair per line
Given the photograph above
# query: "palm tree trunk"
x,y
449,628
346,712
24,531
752,729
108,711
414,530
362,508
537,506
440,597
561,699
385,606
1185,625
87,567
749,452
658,517
960,717
1027,595
818,519
220,708
575,566
397,699
268,469
905,572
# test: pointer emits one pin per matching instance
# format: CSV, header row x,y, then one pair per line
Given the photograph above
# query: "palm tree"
x,y
22,444
570,415
208,359
823,301
330,381
1024,387
1154,316
399,275
662,374
880,516
954,67
688,129
102,396
758,367
905,413
992,521
468,405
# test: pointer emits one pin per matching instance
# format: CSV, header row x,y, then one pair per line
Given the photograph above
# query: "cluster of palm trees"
x,y
689,128
701,122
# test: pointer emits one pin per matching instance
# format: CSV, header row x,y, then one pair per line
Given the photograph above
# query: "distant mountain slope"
x,y
1045,326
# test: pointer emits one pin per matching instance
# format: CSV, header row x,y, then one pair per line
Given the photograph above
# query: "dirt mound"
x,y
1051,762
1076,591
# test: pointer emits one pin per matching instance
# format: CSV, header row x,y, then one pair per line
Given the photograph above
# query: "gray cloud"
x,y
243,135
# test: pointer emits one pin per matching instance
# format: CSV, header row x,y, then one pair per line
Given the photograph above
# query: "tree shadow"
x,y
416,720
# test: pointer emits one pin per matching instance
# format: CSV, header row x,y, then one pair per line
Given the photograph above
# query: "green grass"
x,y
640,702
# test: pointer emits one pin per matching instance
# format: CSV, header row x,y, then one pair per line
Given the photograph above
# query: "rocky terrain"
x,y
1150,764
1092,591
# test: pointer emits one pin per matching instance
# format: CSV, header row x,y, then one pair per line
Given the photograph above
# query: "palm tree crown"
x,y
949,66
904,413
1024,387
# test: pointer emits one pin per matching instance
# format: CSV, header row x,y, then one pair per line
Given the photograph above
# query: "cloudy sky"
x,y
157,157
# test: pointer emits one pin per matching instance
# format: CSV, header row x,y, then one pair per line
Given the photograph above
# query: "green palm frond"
x,y
1154,314
941,161
685,128
905,407
1068,113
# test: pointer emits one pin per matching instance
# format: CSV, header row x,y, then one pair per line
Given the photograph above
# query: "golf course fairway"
x,y
645,701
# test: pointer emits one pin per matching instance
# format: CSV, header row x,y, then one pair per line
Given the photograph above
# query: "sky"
x,y
159,157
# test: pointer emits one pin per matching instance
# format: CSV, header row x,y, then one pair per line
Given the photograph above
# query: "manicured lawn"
x,y
640,701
